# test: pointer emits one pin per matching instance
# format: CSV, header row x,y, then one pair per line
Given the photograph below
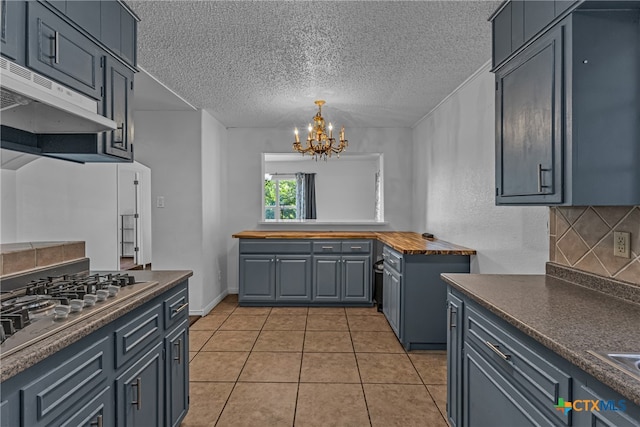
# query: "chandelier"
x,y
319,144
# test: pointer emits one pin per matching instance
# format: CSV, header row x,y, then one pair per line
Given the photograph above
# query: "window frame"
x,y
276,178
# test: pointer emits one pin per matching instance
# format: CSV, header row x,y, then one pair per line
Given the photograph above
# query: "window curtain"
x,y
306,195
310,196
378,210
300,195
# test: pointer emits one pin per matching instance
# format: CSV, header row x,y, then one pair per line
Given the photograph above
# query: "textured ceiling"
x,y
263,63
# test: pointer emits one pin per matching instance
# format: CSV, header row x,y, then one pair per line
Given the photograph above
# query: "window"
x,y
280,197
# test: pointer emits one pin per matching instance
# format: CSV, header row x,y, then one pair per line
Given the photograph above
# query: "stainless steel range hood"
x,y
36,104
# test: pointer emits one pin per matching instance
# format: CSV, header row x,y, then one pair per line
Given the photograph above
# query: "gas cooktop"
x,y
44,306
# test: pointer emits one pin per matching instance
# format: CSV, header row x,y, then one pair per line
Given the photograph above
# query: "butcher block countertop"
x,y
406,242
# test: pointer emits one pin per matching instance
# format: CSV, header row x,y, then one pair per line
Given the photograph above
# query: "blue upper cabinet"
x,y
567,104
11,38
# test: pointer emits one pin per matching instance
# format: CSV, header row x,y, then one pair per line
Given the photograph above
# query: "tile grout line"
x,y
304,336
355,356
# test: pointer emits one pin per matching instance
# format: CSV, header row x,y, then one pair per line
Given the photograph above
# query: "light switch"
x,y
160,202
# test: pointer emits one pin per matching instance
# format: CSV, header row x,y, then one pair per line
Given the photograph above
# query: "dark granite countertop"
x,y
29,356
565,317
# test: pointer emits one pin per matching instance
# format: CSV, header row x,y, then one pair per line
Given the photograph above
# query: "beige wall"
x,y
582,237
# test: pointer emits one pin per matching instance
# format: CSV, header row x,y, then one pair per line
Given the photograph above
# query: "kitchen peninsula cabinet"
x,y
132,371
567,108
295,271
414,298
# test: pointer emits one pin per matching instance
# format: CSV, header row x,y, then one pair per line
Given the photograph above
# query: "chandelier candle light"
x,y
319,144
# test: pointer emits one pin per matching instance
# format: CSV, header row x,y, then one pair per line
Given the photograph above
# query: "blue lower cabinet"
x,y
613,410
499,376
10,411
414,296
293,278
489,399
46,397
140,391
303,272
177,374
87,384
327,272
257,278
455,312
96,413
356,278
392,300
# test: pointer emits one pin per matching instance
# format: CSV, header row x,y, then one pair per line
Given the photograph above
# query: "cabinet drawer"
x,y
524,365
392,259
59,51
273,247
327,247
53,394
97,412
176,306
356,246
137,334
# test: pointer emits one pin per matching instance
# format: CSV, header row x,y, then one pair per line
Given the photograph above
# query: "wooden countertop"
x,y
406,242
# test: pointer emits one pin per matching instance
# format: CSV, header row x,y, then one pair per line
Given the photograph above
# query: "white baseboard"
x,y
209,306
233,291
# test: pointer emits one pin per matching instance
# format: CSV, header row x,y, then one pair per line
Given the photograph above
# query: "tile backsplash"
x,y
582,237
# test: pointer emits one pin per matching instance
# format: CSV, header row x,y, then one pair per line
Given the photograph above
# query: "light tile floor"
x,y
281,366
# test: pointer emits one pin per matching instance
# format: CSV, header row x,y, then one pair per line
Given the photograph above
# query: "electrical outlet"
x,y
621,243
219,276
160,202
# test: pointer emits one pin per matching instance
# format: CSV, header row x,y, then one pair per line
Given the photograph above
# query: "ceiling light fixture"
x,y
319,144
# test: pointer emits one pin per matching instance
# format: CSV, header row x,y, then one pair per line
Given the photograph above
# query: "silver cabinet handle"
x,y
327,247
179,309
97,422
56,47
138,387
495,348
452,313
178,358
540,184
356,247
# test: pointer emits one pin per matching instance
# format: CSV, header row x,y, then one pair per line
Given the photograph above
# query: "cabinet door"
x,y
293,277
10,411
257,278
59,51
118,103
356,278
86,14
128,40
11,13
177,375
529,124
502,35
490,400
537,15
454,359
140,391
327,278
612,411
391,301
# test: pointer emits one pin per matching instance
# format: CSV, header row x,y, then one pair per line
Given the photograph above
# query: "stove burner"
x,y
39,297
